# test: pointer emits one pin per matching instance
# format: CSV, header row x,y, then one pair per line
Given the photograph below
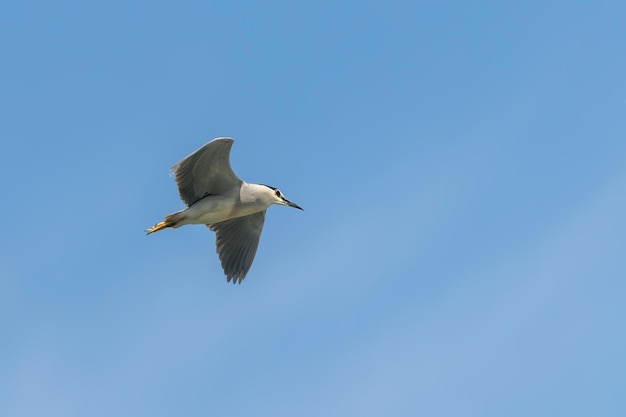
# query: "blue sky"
x,y
463,173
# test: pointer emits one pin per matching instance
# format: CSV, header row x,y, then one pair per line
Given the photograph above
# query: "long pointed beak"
x,y
294,205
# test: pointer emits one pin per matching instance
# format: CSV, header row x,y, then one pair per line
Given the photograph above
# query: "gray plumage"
x,y
207,171
232,208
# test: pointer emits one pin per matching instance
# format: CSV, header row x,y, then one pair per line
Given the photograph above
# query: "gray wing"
x,y
237,240
206,171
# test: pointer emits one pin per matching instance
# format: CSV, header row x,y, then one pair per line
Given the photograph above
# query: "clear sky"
x,y
462,166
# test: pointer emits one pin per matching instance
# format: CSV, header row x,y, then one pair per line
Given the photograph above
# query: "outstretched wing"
x,y
237,241
205,172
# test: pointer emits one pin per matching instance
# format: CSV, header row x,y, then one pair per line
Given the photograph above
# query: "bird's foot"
x,y
157,227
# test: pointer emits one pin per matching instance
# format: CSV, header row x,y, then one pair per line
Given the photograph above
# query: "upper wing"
x,y
206,171
237,240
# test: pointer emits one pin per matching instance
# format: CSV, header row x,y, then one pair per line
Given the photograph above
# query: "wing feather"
x,y
207,171
237,241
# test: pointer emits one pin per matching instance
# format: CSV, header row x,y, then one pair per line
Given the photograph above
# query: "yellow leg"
x,y
157,227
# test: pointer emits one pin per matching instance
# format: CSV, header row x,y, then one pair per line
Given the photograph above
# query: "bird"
x,y
232,208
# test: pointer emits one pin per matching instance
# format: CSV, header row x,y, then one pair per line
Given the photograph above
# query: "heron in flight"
x,y
217,198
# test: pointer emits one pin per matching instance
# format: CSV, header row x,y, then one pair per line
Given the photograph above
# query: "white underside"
x,y
215,209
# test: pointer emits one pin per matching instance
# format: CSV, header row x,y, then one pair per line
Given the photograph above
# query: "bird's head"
x,y
276,197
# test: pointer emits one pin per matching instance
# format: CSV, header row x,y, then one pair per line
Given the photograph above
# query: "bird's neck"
x,y
255,195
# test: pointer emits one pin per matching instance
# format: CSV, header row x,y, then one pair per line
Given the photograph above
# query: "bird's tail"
x,y
171,220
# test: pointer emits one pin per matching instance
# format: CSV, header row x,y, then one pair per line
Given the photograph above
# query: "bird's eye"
x,y
277,192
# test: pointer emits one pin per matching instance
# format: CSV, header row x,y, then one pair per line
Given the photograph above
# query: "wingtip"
x,y
235,279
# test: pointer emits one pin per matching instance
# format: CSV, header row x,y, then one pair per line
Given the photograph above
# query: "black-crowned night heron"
x,y
217,198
